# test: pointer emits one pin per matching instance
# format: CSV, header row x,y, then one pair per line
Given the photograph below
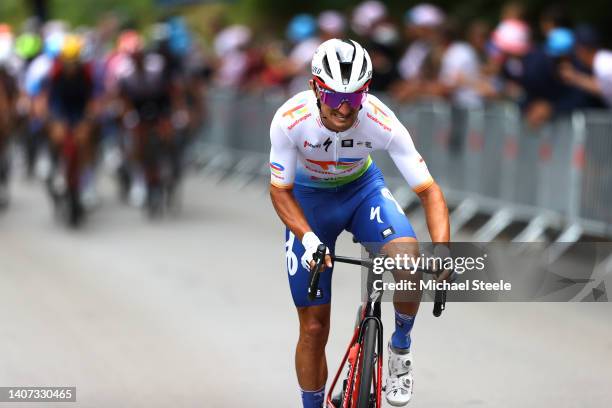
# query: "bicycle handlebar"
x,y
319,258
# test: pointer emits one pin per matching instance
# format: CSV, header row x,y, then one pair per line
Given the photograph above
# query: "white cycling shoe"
x,y
398,389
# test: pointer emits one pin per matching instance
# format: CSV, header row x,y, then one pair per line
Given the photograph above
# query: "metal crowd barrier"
x,y
487,161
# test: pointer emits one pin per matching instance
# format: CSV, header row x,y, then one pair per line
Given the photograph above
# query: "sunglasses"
x,y
335,99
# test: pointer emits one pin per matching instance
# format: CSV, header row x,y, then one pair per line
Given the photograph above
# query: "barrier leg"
x,y
534,230
498,222
462,214
241,172
568,237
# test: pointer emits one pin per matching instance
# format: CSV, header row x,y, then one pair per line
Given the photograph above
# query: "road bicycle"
x,y
362,361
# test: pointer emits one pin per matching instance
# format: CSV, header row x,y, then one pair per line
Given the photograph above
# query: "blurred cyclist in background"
x,y
28,46
69,95
151,96
8,96
32,105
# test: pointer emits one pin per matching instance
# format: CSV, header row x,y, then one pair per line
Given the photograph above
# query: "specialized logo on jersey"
x,y
380,117
327,143
277,170
344,164
299,113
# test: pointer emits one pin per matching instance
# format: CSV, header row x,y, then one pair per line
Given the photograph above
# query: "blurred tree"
x,y
272,15
39,8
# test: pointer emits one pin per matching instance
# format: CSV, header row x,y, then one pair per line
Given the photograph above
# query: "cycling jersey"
x,y
337,185
306,153
148,89
70,93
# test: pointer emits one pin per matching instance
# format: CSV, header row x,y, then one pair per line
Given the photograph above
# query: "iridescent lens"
x,y
335,99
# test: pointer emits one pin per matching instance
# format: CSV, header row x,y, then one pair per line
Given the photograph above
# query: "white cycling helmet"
x,y
342,66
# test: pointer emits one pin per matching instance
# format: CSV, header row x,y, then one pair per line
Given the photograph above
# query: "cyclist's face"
x,y
338,119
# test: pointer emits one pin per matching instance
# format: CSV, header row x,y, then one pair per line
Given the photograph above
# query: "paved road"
x,y
194,311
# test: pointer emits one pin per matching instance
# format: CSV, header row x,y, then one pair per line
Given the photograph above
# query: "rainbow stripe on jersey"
x,y
330,174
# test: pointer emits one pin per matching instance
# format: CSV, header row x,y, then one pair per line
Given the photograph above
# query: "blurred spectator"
x,y
513,11
422,29
382,47
366,15
529,72
554,16
332,24
559,47
559,42
459,69
478,33
422,24
233,60
532,73
590,53
301,31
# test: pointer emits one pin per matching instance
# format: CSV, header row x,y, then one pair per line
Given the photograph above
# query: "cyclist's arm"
x,y
289,211
283,160
436,213
413,168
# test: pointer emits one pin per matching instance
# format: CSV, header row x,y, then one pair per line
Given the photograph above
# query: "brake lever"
x,y
319,258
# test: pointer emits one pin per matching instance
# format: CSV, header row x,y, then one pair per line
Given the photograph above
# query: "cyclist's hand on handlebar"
x,y
311,242
328,263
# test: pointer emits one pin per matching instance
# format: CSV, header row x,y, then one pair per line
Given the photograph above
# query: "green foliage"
x,y
12,11
272,15
79,12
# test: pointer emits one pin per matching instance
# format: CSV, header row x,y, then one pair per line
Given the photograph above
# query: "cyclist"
x,y
150,97
323,181
70,98
8,93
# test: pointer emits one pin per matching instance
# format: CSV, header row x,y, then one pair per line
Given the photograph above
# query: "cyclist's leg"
x,y
380,223
58,130
137,136
4,168
57,134
311,366
171,149
85,137
310,360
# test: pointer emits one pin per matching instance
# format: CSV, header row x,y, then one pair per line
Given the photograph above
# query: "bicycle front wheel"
x,y
368,363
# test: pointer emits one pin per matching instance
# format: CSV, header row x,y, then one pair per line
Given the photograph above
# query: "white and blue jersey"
x,y
335,181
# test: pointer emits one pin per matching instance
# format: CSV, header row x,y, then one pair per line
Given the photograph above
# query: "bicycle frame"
x,y
370,310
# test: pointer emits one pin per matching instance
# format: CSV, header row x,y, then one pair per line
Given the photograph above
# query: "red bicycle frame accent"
x,y
353,357
70,153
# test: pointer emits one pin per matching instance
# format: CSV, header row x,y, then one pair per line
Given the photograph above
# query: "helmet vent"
x,y
345,71
363,68
326,66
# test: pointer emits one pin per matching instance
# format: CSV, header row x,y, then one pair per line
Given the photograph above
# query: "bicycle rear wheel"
x,y
368,363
